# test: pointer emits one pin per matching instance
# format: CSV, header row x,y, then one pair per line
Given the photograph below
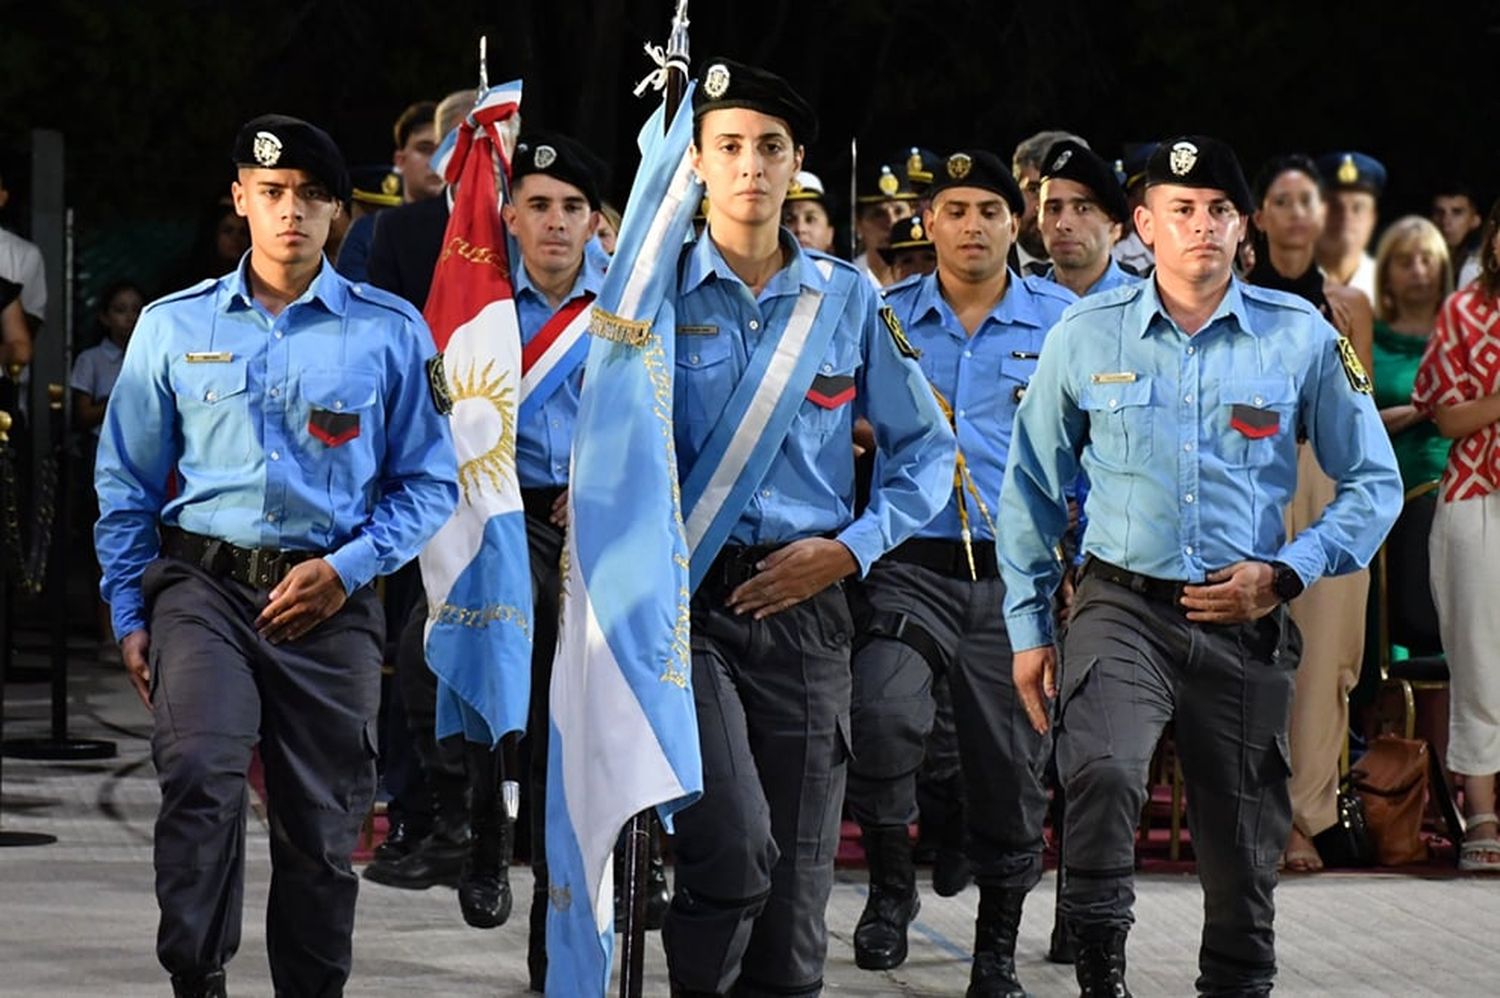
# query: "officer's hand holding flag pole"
x,y
624,731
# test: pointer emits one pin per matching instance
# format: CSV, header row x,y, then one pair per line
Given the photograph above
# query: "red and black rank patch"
x,y
333,428
831,391
1257,424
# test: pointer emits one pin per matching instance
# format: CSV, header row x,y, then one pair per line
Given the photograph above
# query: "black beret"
x,y
376,184
978,168
909,233
1353,171
560,157
1070,160
279,142
885,179
724,83
1200,161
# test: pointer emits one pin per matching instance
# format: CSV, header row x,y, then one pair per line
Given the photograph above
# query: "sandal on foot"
x,y
1472,852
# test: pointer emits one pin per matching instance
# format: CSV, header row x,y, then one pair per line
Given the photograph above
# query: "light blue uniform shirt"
x,y
809,489
983,376
1114,276
218,394
1177,491
544,440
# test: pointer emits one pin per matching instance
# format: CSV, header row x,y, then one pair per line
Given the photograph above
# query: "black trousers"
x,y
217,688
1002,756
1130,665
755,853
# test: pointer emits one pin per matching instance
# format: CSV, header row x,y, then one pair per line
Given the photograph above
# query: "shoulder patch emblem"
x,y
898,335
437,384
1353,369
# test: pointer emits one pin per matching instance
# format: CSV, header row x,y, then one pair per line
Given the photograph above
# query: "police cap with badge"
x,y
724,83
376,184
888,179
1070,160
807,186
1202,162
1353,171
907,234
563,159
280,142
981,169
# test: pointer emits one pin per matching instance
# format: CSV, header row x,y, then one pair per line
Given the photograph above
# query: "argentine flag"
x,y
624,734
476,569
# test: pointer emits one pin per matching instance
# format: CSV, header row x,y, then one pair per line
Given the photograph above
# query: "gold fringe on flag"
x,y
617,329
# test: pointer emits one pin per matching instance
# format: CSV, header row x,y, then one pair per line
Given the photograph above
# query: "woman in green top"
x,y
1413,275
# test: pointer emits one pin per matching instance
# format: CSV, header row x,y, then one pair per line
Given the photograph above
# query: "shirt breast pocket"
x,y
1016,370
214,408
705,378
339,408
1255,417
1120,420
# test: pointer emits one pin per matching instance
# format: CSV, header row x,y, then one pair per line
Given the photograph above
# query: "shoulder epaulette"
x,y
383,298
197,290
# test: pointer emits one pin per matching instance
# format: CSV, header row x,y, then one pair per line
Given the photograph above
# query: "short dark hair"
x,y
1277,165
414,117
1452,188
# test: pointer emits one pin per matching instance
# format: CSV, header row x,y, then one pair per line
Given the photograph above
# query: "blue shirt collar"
x,y
589,280
328,288
1147,307
704,261
1017,307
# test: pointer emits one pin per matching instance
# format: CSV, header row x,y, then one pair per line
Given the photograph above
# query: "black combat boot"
x,y
658,892
993,974
207,986
880,936
400,839
1100,965
484,885
439,857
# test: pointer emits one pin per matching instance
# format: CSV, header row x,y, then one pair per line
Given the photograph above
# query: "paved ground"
x,y
78,917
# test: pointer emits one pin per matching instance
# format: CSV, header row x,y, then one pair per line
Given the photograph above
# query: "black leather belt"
x,y
735,565
259,568
538,502
1167,591
948,557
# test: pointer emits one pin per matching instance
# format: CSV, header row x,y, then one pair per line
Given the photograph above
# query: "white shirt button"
x,y
1187,447
962,412
968,353
765,493
1188,549
556,423
754,325
1258,400
276,455
693,359
270,517
1113,403
279,334
338,403
211,396
827,368
1188,497
1188,398
1191,351
275,392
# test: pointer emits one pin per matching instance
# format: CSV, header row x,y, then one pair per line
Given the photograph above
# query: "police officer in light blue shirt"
x,y
271,446
1183,399
1081,215
935,599
770,620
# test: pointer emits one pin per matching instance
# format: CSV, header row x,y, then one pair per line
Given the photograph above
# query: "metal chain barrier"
x,y
27,567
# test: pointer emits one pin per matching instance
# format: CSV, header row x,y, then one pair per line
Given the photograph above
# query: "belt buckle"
x,y
255,567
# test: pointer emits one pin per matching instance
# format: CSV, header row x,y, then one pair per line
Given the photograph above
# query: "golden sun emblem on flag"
x,y
495,467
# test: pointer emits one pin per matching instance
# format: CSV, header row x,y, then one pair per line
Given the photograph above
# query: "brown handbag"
x,y
1391,778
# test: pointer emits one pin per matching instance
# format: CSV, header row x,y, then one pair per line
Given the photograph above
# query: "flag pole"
x,y
853,200
640,828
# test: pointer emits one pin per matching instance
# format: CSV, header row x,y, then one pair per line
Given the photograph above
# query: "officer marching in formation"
x,y
935,599
807,215
1081,214
771,629
270,448
1183,398
884,196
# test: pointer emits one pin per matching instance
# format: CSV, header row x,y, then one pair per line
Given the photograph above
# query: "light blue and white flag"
x,y
624,734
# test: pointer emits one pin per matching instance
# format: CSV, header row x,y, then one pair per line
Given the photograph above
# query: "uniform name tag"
x,y
1114,378
210,357
697,330
1025,355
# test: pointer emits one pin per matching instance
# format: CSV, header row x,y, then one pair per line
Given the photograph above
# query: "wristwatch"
x,y
1285,582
